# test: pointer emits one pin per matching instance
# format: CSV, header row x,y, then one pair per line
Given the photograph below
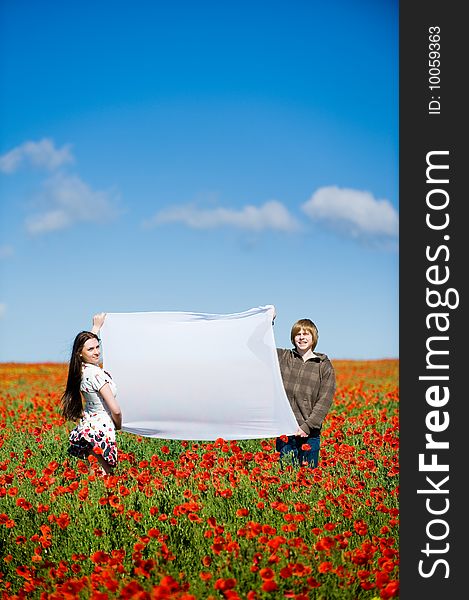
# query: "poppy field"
x,y
186,520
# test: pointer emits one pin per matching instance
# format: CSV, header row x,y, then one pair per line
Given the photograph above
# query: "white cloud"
x,y
3,310
42,154
67,200
271,215
6,251
356,212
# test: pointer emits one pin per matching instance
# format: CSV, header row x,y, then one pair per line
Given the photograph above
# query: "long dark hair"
x,y
72,403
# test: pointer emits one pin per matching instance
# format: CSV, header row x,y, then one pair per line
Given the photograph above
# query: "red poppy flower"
x,y
360,527
131,590
194,518
99,557
24,504
325,567
153,533
144,567
23,571
390,591
266,573
225,584
269,586
63,521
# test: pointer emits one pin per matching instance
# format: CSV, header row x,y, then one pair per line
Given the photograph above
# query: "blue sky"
x,y
199,156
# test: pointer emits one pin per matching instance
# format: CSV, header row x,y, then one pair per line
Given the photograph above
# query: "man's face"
x,y
303,341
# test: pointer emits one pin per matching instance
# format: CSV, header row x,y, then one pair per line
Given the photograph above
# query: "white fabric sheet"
x,y
197,376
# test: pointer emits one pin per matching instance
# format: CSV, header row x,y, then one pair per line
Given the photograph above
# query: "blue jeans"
x,y
291,452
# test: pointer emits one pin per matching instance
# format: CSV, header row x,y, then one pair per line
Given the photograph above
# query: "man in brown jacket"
x,y
309,381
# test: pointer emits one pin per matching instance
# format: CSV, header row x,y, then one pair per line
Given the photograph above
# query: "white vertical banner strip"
x,y
197,376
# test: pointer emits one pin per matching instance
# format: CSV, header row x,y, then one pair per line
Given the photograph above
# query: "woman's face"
x,y
90,352
303,341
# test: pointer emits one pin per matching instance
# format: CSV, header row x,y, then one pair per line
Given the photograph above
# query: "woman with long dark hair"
x,y
98,419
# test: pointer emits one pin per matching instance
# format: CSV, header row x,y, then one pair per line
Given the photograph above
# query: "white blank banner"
x,y
197,376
